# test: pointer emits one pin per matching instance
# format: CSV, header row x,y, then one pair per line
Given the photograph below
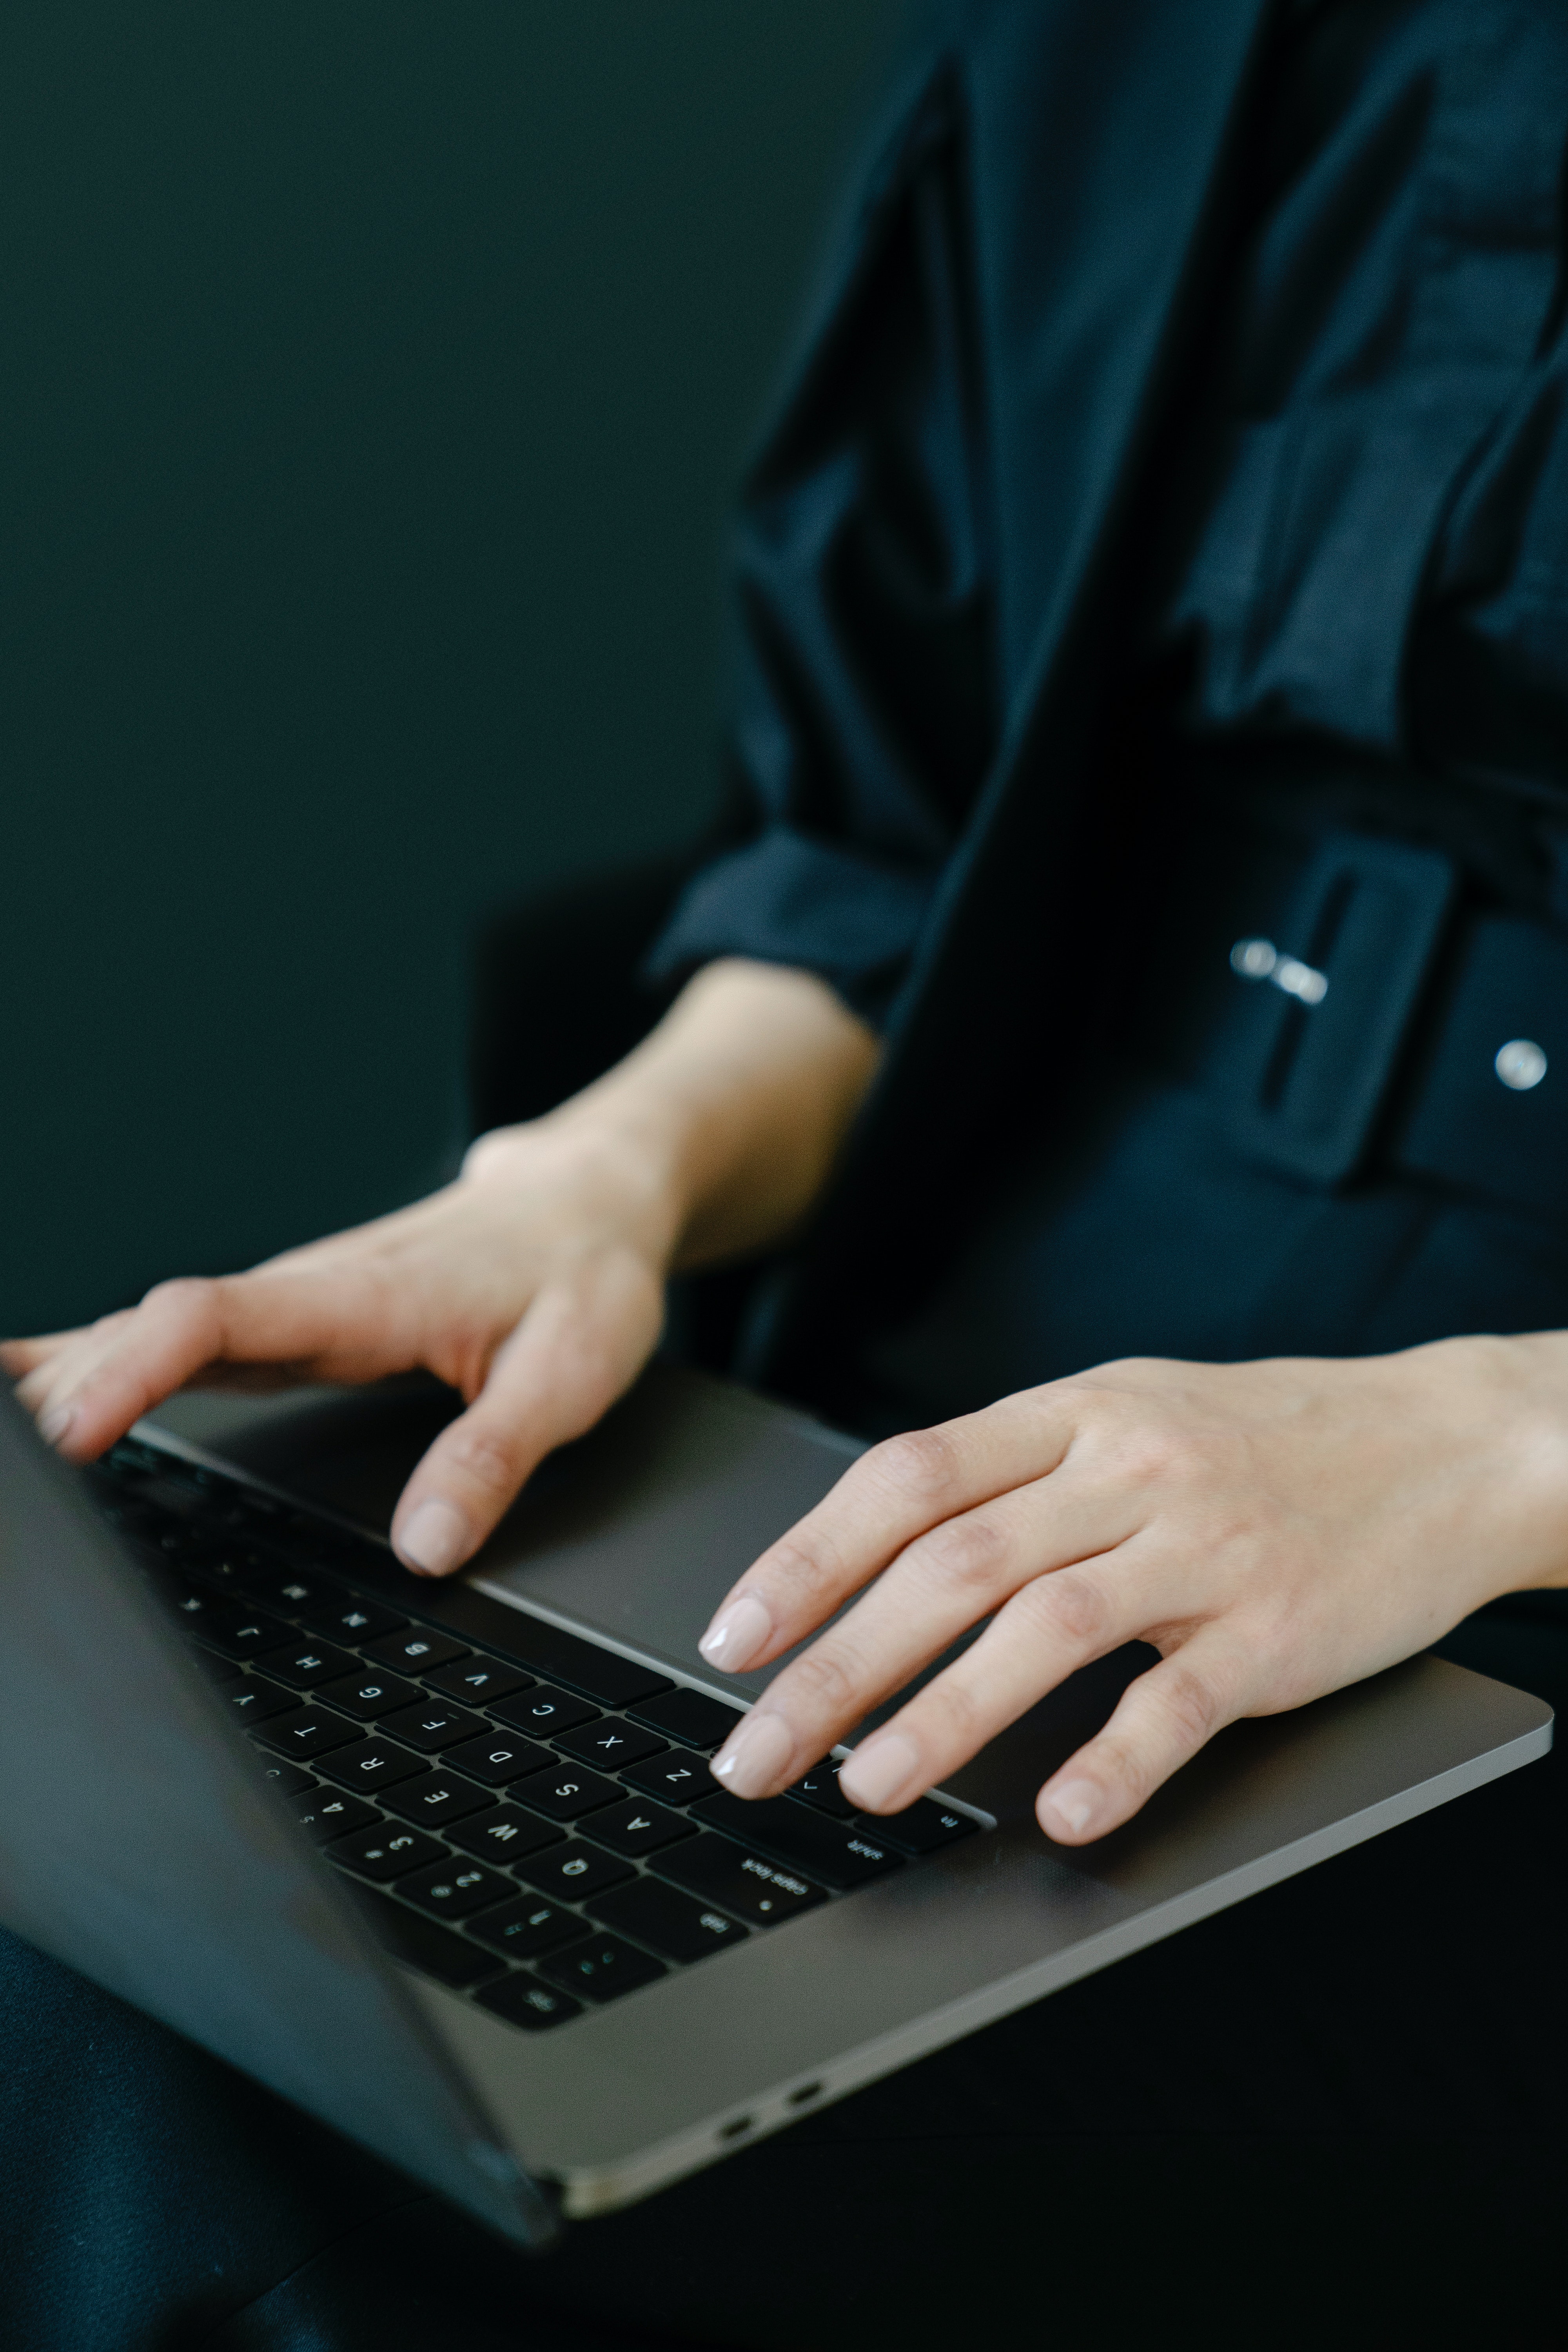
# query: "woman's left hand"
x,y
1275,1529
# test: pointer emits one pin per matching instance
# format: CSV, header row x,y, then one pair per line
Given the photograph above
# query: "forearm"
x,y
726,1121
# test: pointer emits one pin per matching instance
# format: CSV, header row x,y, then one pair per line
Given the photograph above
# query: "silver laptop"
x,y
444,1865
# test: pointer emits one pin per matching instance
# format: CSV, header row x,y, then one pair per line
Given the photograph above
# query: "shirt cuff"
x,y
786,899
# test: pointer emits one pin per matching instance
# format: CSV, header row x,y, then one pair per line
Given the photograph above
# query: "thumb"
x,y
579,1347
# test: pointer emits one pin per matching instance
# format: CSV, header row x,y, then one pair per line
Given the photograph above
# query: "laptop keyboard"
x,y
526,1817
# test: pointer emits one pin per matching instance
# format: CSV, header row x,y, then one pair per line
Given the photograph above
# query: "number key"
x,y
453,1888
385,1850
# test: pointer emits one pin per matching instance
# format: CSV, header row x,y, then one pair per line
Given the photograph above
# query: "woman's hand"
x,y
534,1284
1275,1529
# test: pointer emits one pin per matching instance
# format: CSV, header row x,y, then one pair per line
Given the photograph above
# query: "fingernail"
x,y
53,1425
737,1635
1074,1804
434,1540
756,1755
880,1770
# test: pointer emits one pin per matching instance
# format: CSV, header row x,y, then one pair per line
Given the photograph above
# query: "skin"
x,y
1274,1529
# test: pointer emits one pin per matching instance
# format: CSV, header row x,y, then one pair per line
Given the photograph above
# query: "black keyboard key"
x,y
370,1766
924,1827
414,1651
676,1778
385,1850
640,1826
245,1633
432,1725
352,1620
564,1791
544,1712
820,1788
253,1698
287,1779
676,1925
197,1609
420,1944
228,1566
525,1926
572,1871
133,1458
524,2001
838,1852
455,1887
309,1663
330,1814
602,1968
440,1797
479,1682
688,1716
275,1585
500,1756
611,1744
504,1834
761,1892
560,1657
368,1694
309,1731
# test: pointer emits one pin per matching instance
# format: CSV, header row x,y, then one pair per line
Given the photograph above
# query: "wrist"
x,y
617,1163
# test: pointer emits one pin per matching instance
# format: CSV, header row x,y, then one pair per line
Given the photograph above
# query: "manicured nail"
x,y
53,1425
737,1635
756,1755
434,1540
882,1770
1074,1804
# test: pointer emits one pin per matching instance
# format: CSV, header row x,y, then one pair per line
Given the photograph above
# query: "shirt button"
x,y
1520,1064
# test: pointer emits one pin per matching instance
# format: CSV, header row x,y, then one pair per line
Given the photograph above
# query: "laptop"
x,y
444,1863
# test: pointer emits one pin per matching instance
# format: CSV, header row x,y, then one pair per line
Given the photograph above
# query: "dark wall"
x,y
376,372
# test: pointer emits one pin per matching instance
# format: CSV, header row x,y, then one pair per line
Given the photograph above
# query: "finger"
x,y
132,1363
18,1357
893,1493
1051,1625
1016,1550
578,1347
1162,1721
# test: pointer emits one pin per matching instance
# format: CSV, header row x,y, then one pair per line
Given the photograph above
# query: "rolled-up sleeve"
x,y
863,711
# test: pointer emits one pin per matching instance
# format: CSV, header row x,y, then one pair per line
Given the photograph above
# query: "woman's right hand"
x,y
533,1284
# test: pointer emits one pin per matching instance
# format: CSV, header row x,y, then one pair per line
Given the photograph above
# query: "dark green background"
x,y
375,375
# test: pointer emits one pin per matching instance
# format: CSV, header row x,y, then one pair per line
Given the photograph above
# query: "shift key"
x,y
839,1854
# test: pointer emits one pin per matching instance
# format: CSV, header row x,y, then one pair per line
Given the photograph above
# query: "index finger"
x,y
179,1329
899,1490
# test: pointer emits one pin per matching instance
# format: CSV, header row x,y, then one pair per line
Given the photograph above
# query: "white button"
x,y
1520,1064
1298,979
1261,959
1254,959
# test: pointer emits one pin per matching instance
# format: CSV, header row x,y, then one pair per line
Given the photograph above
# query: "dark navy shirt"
x,y
1364,531
1383,558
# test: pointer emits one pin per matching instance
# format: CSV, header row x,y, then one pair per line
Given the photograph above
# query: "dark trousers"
x,y
1334,2113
